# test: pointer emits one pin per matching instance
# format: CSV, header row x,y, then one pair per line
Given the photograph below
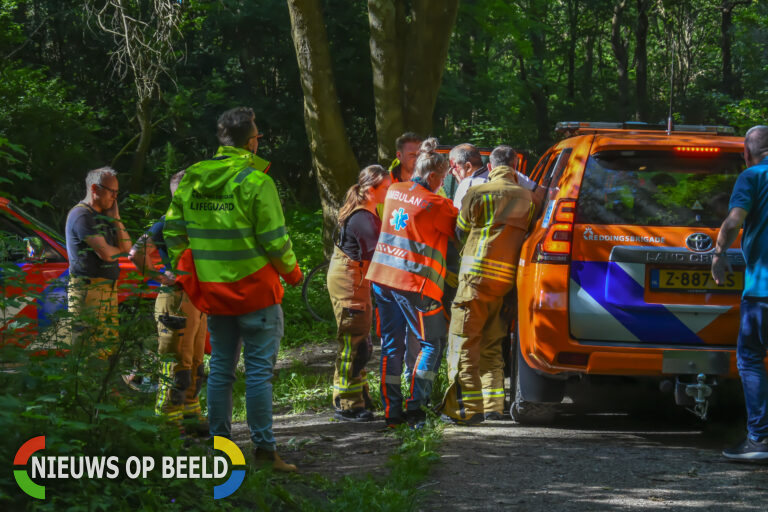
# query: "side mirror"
x,y
34,249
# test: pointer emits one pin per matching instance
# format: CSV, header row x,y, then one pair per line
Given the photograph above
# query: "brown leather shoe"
x,y
261,455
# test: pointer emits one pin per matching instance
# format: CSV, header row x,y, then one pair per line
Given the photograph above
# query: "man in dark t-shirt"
x,y
84,222
95,239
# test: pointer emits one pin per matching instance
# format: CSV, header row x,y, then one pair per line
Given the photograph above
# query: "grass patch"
x,y
297,387
302,389
397,491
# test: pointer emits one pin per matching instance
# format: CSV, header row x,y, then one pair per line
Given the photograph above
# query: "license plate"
x,y
690,362
694,281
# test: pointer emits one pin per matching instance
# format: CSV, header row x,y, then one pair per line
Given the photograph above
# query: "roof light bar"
x,y
697,149
574,127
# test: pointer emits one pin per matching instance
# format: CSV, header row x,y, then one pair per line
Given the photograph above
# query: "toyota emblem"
x,y
699,242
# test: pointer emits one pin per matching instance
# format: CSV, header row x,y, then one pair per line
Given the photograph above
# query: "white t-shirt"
x,y
480,176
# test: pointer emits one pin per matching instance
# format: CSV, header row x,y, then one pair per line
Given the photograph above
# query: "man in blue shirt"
x,y
749,207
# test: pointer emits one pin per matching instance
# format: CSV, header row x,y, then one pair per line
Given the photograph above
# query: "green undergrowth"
x,y
78,401
305,227
396,488
300,389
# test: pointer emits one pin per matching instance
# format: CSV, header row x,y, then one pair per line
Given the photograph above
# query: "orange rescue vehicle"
x,y
614,279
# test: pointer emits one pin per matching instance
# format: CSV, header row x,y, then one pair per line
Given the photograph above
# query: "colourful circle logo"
x,y
192,466
22,476
237,476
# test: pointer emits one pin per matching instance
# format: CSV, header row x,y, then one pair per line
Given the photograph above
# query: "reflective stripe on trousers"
x,y
475,359
426,319
181,350
351,299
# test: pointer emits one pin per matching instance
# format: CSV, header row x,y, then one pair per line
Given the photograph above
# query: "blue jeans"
x,y
412,349
750,356
399,312
258,333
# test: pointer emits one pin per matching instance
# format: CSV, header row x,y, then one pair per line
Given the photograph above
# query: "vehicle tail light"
x,y
556,245
697,150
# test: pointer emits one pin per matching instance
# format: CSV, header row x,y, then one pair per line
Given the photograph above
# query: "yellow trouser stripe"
x,y
193,408
345,360
353,387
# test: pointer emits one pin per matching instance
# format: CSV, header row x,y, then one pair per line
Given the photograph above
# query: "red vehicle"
x,y
33,275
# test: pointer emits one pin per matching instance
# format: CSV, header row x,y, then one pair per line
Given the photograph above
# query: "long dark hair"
x,y
369,178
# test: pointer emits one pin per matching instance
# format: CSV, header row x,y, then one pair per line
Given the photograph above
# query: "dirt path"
x,y
319,444
598,462
314,440
582,463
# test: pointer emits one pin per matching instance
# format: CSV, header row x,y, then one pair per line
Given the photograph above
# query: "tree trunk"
x,y
573,23
335,165
533,74
621,53
406,82
144,116
387,63
589,66
540,101
428,39
641,61
730,84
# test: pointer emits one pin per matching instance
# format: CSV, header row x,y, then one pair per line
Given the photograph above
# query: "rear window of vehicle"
x,y
657,188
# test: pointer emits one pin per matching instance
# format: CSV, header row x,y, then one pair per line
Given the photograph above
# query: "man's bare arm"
x,y
102,249
725,238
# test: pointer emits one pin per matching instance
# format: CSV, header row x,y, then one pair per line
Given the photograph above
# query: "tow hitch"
x,y
696,395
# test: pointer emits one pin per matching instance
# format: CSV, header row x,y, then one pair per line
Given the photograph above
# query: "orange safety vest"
x,y
415,228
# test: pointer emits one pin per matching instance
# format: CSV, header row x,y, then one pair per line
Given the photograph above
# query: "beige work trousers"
x,y
181,353
475,359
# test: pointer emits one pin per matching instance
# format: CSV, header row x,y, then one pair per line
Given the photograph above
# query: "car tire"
x,y
522,411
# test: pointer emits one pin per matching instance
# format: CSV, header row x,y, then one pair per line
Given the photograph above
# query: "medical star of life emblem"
x,y
399,219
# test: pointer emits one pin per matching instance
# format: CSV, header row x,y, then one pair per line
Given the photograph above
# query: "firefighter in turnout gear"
x,y
181,332
493,220
350,291
408,271
225,231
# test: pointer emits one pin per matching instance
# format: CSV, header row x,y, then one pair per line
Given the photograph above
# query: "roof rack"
x,y
570,128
